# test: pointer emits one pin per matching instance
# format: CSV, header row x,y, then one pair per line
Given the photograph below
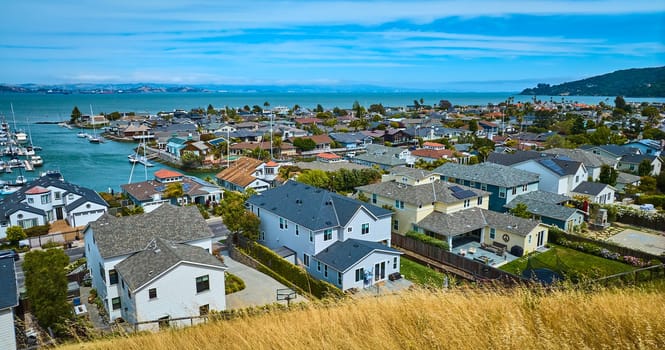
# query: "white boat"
x,y
36,161
82,135
21,137
6,189
93,138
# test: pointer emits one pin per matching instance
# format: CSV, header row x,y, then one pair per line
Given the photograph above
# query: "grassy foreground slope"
x,y
422,319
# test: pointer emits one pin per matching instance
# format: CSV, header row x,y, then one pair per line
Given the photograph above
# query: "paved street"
x,y
260,289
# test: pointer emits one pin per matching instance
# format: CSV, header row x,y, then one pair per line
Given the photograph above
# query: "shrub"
x,y
51,244
233,283
37,230
428,239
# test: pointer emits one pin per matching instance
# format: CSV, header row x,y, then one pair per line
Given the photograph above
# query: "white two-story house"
x,y
155,266
48,199
337,239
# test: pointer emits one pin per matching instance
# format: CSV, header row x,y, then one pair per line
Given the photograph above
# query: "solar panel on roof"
x,y
464,194
552,165
456,189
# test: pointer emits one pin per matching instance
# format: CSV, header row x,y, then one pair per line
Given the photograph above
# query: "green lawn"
x,y
572,262
420,274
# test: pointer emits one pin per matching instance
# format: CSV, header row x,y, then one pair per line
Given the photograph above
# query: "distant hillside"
x,y
425,319
638,82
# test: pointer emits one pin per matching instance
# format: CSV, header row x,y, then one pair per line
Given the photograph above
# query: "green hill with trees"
x,y
637,82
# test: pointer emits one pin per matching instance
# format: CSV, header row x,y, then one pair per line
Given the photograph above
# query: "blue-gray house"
x,y
503,182
550,208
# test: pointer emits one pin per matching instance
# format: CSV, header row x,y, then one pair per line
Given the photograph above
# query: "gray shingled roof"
x,y
475,218
8,287
592,188
488,173
380,154
637,158
341,256
509,159
625,178
312,207
130,234
588,158
560,166
424,194
159,256
545,197
414,173
544,209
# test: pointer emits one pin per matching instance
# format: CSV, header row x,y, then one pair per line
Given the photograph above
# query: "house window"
x,y
58,195
102,272
529,237
129,293
350,229
204,309
525,188
373,198
318,266
46,198
467,203
305,259
281,223
399,204
327,234
152,293
483,187
492,233
514,190
472,184
202,284
325,270
339,278
360,274
395,225
297,230
502,193
258,212
116,303
31,200
577,178
480,200
70,197
311,236
113,277
27,223
395,263
263,236
365,229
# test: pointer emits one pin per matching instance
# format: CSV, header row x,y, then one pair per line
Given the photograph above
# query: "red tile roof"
x,y
271,164
165,173
330,156
37,190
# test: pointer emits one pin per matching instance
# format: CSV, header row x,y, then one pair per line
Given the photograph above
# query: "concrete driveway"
x,y
260,289
647,242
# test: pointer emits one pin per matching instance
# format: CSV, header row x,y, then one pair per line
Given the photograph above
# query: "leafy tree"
x,y
319,108
445,104
75,116
608,175
473,125
647,184
620,102
654,134
645,168
249,225
15,234
211,110
316,178
266,104
360,110
191,160
46,286
660,182
558,141
304,144
174,190
256,109
578,126
521,210
377,108
236,217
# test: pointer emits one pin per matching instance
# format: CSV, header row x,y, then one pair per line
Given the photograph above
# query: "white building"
x,y
341,240
48,199
123,272
556,175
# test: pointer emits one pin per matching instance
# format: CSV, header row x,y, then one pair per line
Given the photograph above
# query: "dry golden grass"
x,y
423,319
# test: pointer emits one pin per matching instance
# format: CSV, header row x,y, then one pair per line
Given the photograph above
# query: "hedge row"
x,y
293,273
428,239
658,200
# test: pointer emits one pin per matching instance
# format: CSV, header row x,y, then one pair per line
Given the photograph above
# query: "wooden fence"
x,y
58,237
480,271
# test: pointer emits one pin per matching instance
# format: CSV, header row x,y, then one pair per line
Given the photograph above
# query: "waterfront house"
x,y
155,266
175,145
151,194
502,182
47,199
550,208
248,173
335,238
8,302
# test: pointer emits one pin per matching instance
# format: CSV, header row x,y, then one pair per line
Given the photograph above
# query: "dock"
x,y
28,166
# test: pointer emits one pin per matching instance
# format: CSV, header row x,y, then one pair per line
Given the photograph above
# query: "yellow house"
x,y
413,194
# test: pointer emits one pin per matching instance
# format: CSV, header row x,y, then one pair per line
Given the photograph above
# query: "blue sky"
x,y
443,45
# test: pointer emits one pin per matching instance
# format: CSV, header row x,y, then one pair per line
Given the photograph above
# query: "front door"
x,y
541,236
58,213
380,271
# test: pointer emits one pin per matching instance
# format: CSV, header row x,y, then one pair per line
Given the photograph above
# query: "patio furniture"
x,y
472,250
462,252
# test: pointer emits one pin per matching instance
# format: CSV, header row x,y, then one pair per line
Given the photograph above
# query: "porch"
x,y
473,250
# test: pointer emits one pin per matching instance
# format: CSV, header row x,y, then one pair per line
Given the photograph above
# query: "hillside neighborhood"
x,y
306,204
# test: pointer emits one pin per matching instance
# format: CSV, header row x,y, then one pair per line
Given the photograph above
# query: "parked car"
x,y
9,253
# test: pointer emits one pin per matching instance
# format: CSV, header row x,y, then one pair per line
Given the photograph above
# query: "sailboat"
x,y
136,158
93,138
